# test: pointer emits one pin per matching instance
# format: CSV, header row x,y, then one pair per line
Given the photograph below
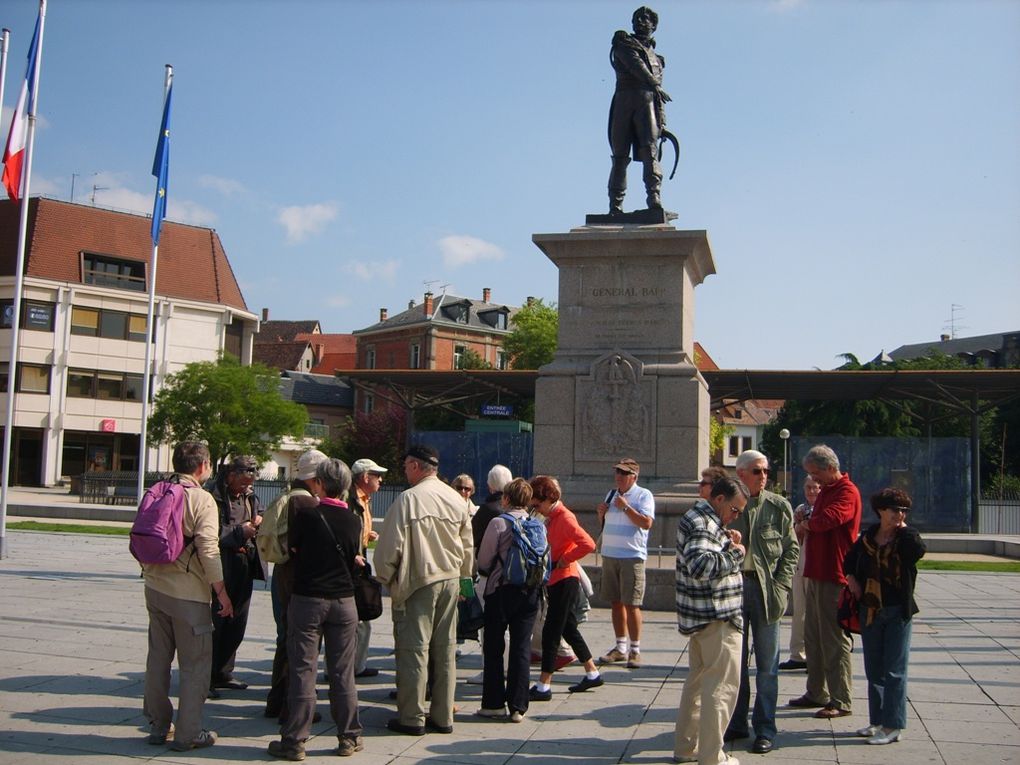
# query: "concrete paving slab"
x,y
73,642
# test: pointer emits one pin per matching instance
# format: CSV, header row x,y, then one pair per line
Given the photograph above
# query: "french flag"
x,y
14,153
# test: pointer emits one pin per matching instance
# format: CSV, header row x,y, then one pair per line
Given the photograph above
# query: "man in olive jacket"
x,y
766,527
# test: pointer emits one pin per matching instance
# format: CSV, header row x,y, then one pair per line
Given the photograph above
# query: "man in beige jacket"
x,y
180,617
423,550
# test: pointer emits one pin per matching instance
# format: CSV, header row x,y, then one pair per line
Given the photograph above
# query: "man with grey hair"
x,y
368,477
766,526
709,593
423,550
833,525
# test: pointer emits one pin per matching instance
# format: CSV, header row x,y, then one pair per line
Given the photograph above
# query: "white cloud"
x,y
338,301
302,222
459,250
226,186
782,6
110,191
365,270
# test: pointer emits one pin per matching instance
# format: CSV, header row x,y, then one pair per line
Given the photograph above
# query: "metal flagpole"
x,y
19,278
5,41
143,450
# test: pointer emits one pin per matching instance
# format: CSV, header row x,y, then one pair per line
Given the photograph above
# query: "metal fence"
x,y
997,516
935,472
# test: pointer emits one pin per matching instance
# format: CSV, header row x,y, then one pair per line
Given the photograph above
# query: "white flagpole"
x,y
5,41
143,449
19,281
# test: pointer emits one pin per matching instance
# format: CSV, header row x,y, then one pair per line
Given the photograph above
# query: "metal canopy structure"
x,y
956,388
458,390
967,391
950,387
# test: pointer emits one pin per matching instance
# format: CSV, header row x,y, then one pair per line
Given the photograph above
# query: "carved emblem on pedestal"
x,y
615,409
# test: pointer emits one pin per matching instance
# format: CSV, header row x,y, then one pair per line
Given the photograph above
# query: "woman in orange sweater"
x,y
568,543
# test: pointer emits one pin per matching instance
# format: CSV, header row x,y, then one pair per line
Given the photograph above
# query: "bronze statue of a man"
x,y
637,115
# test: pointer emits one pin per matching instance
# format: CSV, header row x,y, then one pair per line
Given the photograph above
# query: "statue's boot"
x,y
653,182
618,184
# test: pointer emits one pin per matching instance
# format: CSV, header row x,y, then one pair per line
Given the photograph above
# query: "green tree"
x,y
717,435
469,359
532,342
378,435
235,409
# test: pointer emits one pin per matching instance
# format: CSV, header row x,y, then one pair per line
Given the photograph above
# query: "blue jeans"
x,y
886,644
765,639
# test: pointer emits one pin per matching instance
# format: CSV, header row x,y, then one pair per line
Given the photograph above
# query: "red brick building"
x,y
435,334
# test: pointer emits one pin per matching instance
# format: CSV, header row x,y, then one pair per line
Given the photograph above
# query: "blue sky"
x,y
856,164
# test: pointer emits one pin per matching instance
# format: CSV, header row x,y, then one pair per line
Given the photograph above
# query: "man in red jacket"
x,y
834,524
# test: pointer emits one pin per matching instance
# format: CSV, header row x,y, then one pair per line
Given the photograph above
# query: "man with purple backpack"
x,y
177,596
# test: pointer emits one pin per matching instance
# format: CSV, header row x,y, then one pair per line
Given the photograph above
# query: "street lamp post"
x,y
785,435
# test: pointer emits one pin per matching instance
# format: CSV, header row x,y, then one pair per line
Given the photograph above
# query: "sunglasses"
x,y
760,471
468,489
704,483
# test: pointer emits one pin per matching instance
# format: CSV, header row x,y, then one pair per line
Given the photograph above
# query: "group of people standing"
x,y
740,551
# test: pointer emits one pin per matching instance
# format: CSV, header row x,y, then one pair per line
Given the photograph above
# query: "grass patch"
x,y
70,528
1008,567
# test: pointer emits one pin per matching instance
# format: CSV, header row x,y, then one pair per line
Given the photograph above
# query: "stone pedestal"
x,y
624,382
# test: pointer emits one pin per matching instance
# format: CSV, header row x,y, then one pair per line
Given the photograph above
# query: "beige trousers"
x,y
424,628
710,693
828,647
183,627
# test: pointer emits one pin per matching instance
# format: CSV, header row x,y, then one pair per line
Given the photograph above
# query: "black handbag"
x,y
367,594
367,590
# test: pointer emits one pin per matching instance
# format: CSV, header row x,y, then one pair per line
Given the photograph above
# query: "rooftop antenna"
x,y
73,176
96,188
952,323
428,285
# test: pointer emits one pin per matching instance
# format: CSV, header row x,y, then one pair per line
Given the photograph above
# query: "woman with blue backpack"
x,y
568,544
514,555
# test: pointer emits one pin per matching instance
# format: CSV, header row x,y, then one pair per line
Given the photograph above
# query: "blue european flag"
x,y
160,167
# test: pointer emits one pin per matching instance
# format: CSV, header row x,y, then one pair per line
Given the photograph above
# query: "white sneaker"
x,y
885,736
476,679
494,714
870,731
516,717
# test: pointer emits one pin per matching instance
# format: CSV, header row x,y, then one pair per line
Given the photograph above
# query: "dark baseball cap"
x,y
423,453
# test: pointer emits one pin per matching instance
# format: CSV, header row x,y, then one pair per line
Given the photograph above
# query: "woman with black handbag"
x,y
325,543
881,569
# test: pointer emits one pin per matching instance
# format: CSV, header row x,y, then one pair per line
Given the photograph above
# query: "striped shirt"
x,y
620,537
709,586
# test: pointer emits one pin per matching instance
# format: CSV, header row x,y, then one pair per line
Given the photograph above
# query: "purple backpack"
x,y
157,535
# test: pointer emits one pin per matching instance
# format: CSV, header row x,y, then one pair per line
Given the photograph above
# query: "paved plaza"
x,y
73,650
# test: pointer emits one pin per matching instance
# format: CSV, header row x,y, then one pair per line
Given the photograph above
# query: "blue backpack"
x,y
527,559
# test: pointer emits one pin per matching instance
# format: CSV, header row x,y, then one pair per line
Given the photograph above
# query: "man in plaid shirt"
x,y
709,601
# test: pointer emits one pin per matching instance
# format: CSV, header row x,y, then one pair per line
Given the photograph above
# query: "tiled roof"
x,y
316,390
443,303
192,262
333,342
283,356
334,361
701,358
275,330
955,346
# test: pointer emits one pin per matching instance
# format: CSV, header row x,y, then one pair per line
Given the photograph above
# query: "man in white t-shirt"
x,y
626,516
